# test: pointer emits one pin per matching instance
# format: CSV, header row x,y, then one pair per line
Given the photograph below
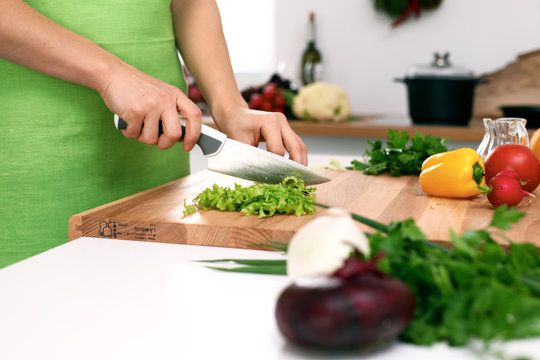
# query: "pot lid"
x,y
439,67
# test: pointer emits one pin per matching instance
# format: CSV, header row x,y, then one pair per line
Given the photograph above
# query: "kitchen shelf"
x,y
376,126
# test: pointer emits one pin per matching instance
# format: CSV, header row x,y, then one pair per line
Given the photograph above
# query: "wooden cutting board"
x,y
156,214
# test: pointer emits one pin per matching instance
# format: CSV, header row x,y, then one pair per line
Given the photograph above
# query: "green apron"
x,y
60,153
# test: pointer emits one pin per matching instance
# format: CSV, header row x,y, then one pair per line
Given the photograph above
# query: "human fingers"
x,y
172,130
134,118
295,146
150,130
142,102
271,131
193,116
280,136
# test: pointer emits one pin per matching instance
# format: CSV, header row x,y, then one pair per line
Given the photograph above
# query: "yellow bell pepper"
x,y
454,174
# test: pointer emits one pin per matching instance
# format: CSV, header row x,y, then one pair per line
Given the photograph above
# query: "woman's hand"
x,y
143,101
30,39
207,58
252,126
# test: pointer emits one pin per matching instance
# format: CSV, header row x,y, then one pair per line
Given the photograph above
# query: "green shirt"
x,y
60,153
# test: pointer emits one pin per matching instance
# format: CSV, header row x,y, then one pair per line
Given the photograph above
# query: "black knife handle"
x,y
208,144
122,125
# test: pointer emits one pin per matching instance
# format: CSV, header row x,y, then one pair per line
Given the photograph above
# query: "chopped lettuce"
x,y
289,197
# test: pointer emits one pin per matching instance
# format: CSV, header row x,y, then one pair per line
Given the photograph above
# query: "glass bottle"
x,y
502,131
311,70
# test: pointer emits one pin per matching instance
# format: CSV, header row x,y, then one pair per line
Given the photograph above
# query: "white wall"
x,y
363,54
249,27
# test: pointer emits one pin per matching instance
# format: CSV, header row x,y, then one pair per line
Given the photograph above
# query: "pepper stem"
x,y
478,173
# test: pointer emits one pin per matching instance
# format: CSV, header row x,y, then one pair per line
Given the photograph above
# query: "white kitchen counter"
x,y
115,299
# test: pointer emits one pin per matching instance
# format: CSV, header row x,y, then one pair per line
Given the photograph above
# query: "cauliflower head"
x,y
321,101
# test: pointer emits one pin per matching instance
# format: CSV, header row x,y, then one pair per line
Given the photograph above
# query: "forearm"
x,y
201,42
29,39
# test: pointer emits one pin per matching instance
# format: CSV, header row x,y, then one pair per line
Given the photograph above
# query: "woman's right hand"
x,y
32,40
142,101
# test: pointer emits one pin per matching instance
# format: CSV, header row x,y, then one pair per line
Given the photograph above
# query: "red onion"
x,y
357,306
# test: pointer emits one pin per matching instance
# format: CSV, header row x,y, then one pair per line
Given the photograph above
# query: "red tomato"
x,y
517,158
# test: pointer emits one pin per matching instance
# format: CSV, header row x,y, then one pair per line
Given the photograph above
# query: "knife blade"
x,y
234,158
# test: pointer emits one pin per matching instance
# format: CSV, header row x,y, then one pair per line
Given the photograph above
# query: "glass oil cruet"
x,y
502,131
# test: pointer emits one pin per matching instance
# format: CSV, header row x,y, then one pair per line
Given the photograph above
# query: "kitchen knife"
x,y
231,157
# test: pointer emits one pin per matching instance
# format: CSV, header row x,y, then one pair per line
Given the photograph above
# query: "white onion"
x,y
321,246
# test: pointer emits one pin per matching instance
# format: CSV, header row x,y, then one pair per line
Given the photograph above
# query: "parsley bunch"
x,y
264,200
399,157
476,289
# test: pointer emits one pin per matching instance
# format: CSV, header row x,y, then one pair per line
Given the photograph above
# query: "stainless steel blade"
x,y
251,163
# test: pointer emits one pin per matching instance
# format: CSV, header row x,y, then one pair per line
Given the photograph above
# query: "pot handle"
x,y
481,81
400,80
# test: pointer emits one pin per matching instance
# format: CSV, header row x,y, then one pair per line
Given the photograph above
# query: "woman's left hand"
x,y
200,39
253,126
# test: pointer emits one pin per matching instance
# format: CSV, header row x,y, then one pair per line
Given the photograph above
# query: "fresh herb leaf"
x,y
358,165
401,156
504,216
532,281
397,140
523,258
